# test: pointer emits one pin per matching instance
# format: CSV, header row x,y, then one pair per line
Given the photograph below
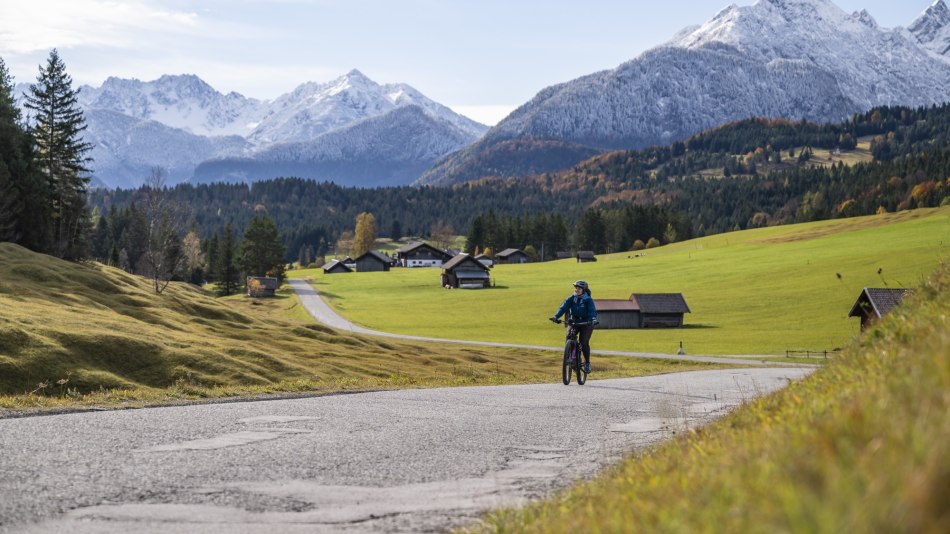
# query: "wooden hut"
x,y
465,272
262,286
373,261
336,267
585,256
512,255
874,302
421,254
642,310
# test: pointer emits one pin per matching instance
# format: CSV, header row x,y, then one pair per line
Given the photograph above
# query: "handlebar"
x,y
573,323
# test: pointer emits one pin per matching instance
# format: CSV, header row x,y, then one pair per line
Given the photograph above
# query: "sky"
x,y
482,58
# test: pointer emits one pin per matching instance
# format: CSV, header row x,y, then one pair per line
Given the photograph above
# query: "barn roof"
x,y
266,282
508,252
586,254
373,254
460,259
660,302
615,305
880,300
336,265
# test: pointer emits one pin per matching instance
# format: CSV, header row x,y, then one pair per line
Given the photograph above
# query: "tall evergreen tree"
x,y
58,125
227,273
18,183
262,251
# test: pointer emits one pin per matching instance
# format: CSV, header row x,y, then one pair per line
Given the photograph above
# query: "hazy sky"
x,y
479,57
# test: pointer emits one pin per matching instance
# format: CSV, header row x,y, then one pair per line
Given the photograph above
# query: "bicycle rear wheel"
x,y
568,365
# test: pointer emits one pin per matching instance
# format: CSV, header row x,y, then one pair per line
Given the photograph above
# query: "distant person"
x,y
580,309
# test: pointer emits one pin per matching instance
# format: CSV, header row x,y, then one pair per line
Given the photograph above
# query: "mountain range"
x,y
797,59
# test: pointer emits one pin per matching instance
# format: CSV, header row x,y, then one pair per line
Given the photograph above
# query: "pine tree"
x,y
58,125
17,181
262,251
228,276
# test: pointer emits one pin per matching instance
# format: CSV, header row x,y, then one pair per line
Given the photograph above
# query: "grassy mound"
x,y
860,446
71,330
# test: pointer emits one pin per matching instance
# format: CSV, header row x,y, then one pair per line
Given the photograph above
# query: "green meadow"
x,y
761,291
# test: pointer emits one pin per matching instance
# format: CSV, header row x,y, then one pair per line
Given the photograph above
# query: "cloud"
x,y
39,25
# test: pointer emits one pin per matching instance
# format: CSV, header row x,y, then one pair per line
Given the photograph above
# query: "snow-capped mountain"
x,y
932,29
776,58
178,122
389,149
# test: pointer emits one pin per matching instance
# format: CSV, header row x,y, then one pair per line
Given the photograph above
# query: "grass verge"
x,y
859,446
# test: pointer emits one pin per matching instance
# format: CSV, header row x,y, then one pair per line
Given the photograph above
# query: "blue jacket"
x,y
581,308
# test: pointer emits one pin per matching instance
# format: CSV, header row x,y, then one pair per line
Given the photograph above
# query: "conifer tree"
x,y
262,251
228,276
18,183
58,125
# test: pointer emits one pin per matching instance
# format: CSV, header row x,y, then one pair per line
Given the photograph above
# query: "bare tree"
x,y
442,234
163,254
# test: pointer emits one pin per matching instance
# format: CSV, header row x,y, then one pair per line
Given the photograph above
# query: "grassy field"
x,y
859,446
760,291
85,334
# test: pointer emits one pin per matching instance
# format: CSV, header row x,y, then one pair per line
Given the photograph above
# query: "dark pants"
x,y
584,336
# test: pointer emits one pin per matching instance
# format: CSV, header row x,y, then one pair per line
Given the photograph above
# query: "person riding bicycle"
x,y
580,309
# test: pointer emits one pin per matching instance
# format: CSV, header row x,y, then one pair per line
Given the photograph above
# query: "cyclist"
x,y
580,309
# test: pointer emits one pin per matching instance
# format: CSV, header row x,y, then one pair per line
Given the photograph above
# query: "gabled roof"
x,y
379,256
880,300
615,305
266,282
660,302
510,251
460,260
335,265
416,245
586,254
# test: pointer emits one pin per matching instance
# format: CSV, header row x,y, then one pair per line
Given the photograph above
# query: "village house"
x,y
262,286
512,255
373,261
465,272
642,310
874,302
336,267
421,254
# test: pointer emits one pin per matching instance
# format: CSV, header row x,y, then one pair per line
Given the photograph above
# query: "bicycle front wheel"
x,y
568,364
581,375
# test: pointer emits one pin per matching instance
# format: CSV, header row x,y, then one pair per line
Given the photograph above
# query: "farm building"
x,y
262,286
335,267
485,260
874,302
563,255
512,255
373,261
465,272
421,254
349,262
585,256
642,310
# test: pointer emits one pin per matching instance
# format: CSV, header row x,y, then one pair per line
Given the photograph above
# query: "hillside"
x,y
110,338
859,446
761,291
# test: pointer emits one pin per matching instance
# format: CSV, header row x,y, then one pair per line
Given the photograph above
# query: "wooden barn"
x,y
512,255
642,310
585,256
336,267
373,261
563,255
421,254
262,286
874,302
485,260
465,272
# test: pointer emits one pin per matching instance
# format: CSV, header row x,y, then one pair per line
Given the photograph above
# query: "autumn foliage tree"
x,y
365,235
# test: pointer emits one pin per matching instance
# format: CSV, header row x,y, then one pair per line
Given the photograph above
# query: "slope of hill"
x,y
760,291
859,446
777,58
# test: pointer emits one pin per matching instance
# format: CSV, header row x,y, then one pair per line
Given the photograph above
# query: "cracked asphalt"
x,y
411,460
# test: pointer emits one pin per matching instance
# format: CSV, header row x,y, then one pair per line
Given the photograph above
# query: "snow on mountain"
x,y
776,58
177,122
185,102
389,149
932,29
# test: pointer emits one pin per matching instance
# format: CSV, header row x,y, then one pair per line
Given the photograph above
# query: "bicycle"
x,y
573,362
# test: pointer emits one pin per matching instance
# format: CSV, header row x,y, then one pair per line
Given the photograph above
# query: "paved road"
x,y
322,312
413,460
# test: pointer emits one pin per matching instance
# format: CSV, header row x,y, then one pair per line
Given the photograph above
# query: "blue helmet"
x,y
581,284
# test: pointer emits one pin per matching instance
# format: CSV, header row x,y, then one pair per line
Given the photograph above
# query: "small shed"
x,y
642,310
262,286
465,272
563,255
349,262
512,255
373,261
874,302
421,254
335,267
585,256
